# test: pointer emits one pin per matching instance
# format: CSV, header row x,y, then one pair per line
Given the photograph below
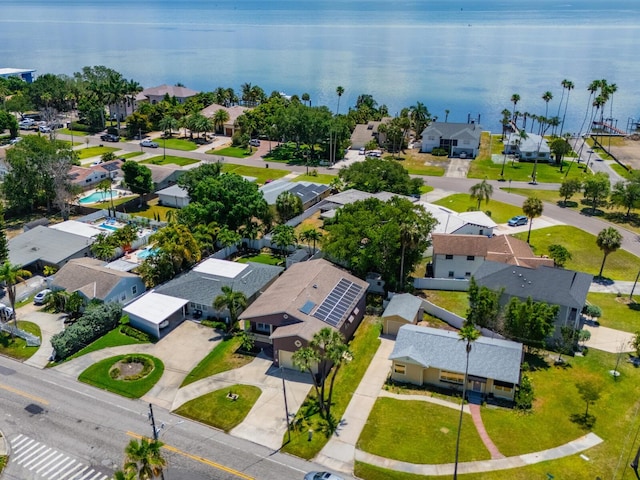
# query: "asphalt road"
x,y
90,427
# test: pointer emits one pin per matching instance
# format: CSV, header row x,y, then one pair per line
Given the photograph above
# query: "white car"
x,y
6,312
13,141
321,476
149,143
254,142
44,129
41,296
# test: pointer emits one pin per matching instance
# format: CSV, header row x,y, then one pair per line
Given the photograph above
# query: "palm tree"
x,y
468,334
547,97
532,208
446,115
167,124
11,275
232,300
332,154
481,192
339,92
311,235
515,98
420,117
609,240
568,84
611,89
219,119
144,458
306,98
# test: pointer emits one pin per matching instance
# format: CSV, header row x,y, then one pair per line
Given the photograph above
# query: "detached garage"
x,y
404,309
155,313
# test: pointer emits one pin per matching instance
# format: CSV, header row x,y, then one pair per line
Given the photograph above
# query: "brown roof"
x,y
303,282
234,112
171,90
90,277
443,243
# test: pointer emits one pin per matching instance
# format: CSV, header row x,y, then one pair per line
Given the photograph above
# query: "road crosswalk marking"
x,y
45,462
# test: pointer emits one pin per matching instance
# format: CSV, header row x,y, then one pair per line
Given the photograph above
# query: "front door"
x,y
476,386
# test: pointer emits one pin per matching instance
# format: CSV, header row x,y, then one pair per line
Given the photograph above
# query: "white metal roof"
x,y
220,268
155,307
78,228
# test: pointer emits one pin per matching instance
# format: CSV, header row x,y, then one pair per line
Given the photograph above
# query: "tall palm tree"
x,y
446,115
145,458
547,97
467,334
481,192
532,208
420,117
167,124
333,141
219,119
306,98
609,240
11,275
515,98
593,88
568,85
311,235
339,92
233,301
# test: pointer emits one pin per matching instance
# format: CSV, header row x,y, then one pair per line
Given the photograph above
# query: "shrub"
x,y
132,332
439,152
524,394
215,325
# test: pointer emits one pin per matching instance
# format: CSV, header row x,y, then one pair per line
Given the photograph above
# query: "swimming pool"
x,y
98,196
108,227
147,252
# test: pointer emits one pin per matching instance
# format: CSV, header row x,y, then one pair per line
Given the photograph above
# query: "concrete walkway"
x,y
484,436
49,324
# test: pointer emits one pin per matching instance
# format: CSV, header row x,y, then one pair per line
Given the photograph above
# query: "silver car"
x,y
322,476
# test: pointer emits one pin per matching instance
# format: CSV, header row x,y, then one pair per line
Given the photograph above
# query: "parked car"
x,y
148,143
322,476
518,220
13,141
6,312
44,129
110,137
254,142
361,151
41,296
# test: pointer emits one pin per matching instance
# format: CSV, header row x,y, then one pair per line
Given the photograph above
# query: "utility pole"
x,y
155,431
286,406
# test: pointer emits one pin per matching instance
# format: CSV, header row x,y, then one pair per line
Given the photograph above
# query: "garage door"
x,y
391,327
285,359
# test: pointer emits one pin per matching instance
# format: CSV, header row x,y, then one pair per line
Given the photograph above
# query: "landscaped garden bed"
x,y
16,347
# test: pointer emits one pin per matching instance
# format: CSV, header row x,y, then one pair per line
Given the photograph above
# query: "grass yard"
x,y
620,170
617,311
417,163
75,133
170,159
98,376
219,411
176,144
222,358
521,171
363,345
114,338
94,152
462,202
126,156
261,174
587,257
266,258
319,178
152,210
455,302
235,152
393,432
17,347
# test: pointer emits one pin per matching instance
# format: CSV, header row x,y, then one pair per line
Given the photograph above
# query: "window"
x,y
481,232
528,154
502,386
451,377
134,289
451,274
448,257
400,369
471,258
263,327
123,297
467,274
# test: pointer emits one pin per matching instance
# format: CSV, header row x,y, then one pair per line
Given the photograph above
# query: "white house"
x,y
458,139
529,146
155,313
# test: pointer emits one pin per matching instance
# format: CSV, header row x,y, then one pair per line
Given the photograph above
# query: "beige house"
x,y
229,127
404,309
424,355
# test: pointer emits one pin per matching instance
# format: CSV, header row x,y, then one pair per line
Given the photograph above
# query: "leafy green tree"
x,y
228,238
145,458
530,322
627,195
568,188
484,306
559,254
177,242
191,178
560,147
377,175
609,240
8,121
283,237
635,343
233,301
137,177
532,208
11,275
524,394
596,189
288,206
18,103
157,269
481,192
4,246
168,124
590,391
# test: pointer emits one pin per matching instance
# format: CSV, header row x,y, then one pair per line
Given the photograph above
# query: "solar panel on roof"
x,y
338,302
307,307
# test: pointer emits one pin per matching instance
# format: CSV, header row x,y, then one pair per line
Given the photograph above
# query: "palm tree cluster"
x,y
143,460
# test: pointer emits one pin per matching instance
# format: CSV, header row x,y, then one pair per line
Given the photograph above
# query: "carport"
x,y
155,313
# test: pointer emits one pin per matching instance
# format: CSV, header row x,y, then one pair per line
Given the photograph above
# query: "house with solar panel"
x,y
306,298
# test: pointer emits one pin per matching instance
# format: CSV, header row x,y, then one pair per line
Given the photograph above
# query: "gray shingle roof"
x,y
405,306
470,131
46,244
443,349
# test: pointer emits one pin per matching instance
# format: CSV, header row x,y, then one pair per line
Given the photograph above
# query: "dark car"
x,y
110,137
518,220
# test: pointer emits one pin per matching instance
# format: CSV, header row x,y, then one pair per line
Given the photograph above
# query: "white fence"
x,y
453,284
453,319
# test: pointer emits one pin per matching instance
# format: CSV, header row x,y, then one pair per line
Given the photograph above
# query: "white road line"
x,y
15,441
77,476
39,459
20,451
79,465
51,461
55,467
19,462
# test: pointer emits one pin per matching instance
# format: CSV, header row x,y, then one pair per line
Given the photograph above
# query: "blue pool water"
x,y
98,196
108,227
142,254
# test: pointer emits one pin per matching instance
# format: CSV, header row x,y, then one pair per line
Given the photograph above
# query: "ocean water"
x,y
465,56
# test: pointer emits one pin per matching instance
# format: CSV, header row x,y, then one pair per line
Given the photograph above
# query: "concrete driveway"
x,y
49,324
608,339
266,423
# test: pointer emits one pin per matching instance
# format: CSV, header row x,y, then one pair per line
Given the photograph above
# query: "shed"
x,y
403,309
155,313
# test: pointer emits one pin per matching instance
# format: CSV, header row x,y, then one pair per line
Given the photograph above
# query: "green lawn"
x,y
428,170
235,152
152,210
94,151
170,159
364,345
455,302
17,347
319,178
462,202
131,155
587,257
176,144
219,411
265,258
261,174
617,311
220,359
98,376
114,338
550,196
431,440
620,170
521,171
75,133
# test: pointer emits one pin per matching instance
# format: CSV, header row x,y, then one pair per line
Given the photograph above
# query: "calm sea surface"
x,y
466,56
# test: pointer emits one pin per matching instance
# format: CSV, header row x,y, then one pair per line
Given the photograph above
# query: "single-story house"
x,y
528,148
330,205
464,223
459,139
424,355
310,193
151,95
26,74
460,256
84,229
363,133
556,286
230,126
403,309
94,281
173,196
203,283
164,176
155,313
88,177
42,246
308,297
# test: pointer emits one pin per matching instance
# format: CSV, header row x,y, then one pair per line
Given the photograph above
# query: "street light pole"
x,y
286,406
